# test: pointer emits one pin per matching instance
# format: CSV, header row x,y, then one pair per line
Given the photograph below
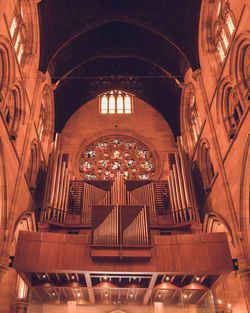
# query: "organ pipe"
x,y
181,191
57,185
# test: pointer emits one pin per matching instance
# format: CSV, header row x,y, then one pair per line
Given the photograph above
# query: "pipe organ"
x,y
119,210
181,190
55,202
117,225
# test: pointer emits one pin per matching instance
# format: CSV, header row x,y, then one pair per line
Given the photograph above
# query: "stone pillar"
x,y
19,306
4,265
245,280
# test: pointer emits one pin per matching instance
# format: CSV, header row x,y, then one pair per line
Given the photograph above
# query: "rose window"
x,y
105,156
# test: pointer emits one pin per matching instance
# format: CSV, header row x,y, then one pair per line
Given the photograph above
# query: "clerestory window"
x,y
224,27
18,32
116,102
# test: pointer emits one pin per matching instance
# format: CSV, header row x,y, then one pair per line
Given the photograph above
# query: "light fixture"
x,y
229,305
131,295
53,293
197,278
219,301
185,296
72,276
105,278
43,276
167,278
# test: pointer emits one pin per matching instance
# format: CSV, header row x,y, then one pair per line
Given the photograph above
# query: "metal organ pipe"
x,y
57,185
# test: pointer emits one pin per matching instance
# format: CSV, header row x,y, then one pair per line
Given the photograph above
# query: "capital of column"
x,y
19,306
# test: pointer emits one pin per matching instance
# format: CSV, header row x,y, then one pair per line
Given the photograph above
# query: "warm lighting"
x,y
116,102
106,294
105,278
43,276
197,278
53,293
78,294
167,278
131,295
185,296
13,27
72,276
159,295
134,278
219,302
229,305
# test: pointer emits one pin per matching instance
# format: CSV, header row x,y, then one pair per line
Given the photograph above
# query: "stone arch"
x,y
14,109
123,133
34,164
45,125
215,222
217,26
7,68
24,26
190,119
240,65
25,222
3,192
205,163
244,197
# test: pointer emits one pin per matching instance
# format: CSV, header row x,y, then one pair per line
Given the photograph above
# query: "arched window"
x,y
42,120
18,31
13,112
26,223
33,165
190,118
7,69
116,102
223,27
232,107
194,118
102,158
205,164
45,123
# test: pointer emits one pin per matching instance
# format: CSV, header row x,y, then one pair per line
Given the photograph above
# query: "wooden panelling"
x,y
196,253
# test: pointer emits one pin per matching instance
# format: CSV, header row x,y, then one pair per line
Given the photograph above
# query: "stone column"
x,y
245,280
19,306
4,265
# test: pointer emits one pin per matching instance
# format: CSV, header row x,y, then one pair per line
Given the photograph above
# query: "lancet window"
x,y
195,121
232,109
104,157
206,165
116,102
12,111
224,27
18,31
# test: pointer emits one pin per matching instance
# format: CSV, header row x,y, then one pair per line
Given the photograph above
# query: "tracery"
x,y
105,156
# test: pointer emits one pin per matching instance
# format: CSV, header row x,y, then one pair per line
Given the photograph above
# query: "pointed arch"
x,y
245,196
205,163
34,164
190,118
3,190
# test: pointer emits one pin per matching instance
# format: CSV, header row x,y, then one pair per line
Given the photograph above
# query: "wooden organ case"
x,y
119,213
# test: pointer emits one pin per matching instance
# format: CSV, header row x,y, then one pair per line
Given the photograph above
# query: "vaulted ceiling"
x,y
141,46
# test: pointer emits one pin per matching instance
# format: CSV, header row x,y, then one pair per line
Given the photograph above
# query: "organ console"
x,y
119,211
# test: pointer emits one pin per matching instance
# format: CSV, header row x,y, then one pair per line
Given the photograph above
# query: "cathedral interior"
x,y
124,156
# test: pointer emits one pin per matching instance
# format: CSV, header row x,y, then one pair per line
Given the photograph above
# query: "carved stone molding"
x,y
19,306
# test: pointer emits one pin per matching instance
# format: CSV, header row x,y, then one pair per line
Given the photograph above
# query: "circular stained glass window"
x,y
105,156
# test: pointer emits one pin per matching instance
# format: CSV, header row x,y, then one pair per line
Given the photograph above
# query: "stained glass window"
x,y
104,157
